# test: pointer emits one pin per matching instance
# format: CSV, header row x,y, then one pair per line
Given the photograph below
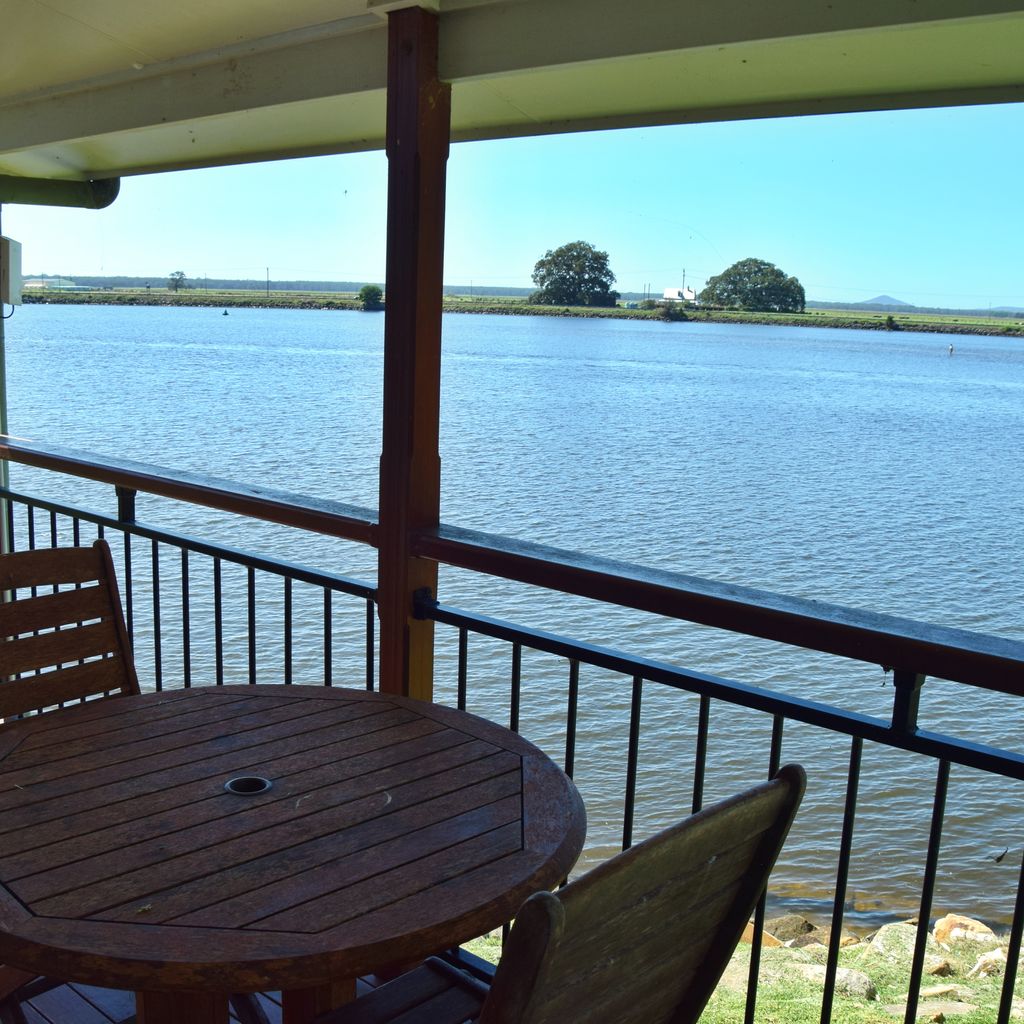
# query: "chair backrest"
x,y
646,935
62,632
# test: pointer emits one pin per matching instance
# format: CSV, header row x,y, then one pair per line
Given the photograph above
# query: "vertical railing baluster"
x,y
56,588
842,878
9,513
76,532
125,515
218,621
516,688
700,757
774,759
571,715
158,675
371,660
632,758
186,624
328,638
463,667
1012,952
931,869
775,754
287,631
30,516
129,590
251,584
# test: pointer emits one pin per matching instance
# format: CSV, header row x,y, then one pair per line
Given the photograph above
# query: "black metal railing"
x,y
206,578
900,733
148,575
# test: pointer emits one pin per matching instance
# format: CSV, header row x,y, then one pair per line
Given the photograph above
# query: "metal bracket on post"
x,y
126,504
423,601
906,700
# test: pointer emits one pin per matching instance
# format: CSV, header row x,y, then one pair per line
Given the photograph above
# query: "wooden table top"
x,y
393,829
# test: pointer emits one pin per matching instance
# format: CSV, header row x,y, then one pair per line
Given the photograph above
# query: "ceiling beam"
x,y
521,67
347,63
532,34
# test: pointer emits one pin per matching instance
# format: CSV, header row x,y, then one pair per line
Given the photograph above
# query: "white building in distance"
x,y
679,295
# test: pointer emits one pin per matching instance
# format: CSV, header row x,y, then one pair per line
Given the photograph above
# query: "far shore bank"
x,y
1005,327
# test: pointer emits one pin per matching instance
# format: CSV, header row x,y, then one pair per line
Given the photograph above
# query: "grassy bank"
x,y
861,320
872,981
216,299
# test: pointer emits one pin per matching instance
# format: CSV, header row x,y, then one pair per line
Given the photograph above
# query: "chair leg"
x,y
246,1007
10,1005
11,1012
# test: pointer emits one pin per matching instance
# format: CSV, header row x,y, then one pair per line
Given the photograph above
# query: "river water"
x,y
859,468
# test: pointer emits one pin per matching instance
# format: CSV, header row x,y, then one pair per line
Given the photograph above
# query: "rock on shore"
x,y
964,964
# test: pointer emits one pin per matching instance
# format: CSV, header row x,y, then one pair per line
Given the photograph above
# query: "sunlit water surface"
x,y
859,468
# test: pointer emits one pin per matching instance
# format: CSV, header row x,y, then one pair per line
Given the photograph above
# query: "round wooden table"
x,y
392,829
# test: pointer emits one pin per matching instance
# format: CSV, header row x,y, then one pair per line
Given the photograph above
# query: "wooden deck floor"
x,y
85,1004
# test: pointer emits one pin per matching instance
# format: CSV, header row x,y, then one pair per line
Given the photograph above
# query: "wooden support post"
x,y
418,126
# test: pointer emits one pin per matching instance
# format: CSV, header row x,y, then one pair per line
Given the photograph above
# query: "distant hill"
x,y
887,304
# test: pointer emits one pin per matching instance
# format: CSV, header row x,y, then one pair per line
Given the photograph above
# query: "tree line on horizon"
x,y
217,283
354,287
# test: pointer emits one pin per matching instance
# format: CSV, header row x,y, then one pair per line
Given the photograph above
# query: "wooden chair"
x,y
643,937
62,633
62,639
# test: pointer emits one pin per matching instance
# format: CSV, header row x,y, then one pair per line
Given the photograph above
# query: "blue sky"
x,y
922,205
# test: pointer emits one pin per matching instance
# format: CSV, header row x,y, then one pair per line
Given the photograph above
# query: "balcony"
x,y
81,109
202,613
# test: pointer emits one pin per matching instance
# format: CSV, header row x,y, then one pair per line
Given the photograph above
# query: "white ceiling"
x,y
101,88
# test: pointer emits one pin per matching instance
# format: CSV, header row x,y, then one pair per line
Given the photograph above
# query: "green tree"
x,y
575,274
370,296
176,281
755,285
